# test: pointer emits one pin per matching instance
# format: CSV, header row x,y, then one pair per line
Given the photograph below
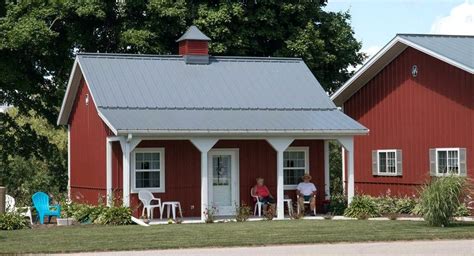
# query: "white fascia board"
x,y
227,133
74,79
436,55
364,68
104,119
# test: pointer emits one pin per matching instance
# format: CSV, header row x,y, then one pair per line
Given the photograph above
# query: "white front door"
x,y
223,180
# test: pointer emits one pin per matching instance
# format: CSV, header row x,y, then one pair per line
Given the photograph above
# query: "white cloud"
x,y
460,21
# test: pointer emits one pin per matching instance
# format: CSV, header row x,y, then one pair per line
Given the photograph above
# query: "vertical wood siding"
x,y
88,138
256,159
434,109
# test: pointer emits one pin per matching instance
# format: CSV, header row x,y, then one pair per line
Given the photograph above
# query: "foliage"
x,y
462,211
335,169
269,214
362,207
210,214
117,215
440,199
33,155
242,212
12,221
405,205
338,204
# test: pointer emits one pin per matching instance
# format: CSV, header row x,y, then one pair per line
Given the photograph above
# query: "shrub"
x,y
210,214
386,205
405,205
12,221
462,211
440,199
362,207
242,213
114,216
338,204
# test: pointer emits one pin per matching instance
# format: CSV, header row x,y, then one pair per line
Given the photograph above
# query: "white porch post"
x,y
108,167
280,145
348,144
128,145
343,158
204,145
326,170
69,161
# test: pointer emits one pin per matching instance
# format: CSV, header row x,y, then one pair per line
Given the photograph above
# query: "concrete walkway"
x,y
440,247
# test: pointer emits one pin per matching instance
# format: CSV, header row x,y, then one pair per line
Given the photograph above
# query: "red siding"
x,y
435,109
193,47
88,137
256,159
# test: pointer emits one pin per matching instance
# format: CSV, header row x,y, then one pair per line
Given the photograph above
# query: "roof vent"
x,y
194,46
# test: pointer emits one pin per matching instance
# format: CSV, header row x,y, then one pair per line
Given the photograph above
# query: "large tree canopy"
x,y
38,39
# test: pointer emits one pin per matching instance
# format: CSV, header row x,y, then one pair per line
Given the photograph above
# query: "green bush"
x,y
462,211
385,205
12,221
242,212
405,205
362,207
114,216
440,199
338,204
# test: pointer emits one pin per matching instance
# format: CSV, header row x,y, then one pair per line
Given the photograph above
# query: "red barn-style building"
x,y
198,129
417,98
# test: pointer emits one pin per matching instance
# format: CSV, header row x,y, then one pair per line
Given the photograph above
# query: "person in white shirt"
x,y
307,192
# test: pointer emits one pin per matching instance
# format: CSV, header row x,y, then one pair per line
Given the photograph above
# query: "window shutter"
x,y
462,162
374,163
399,163
432,162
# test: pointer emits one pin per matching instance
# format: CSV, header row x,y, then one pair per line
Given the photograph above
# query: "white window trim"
x,y
378,162
161,189
447,161
306,164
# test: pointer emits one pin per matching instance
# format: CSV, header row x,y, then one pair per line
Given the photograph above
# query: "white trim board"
x,y
379,61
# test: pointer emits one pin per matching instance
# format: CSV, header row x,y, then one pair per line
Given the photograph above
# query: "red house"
x,y
417,98
198,129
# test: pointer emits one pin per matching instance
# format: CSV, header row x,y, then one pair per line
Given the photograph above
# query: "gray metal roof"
x,y
154,120
134,81
149,93
457,48
193,33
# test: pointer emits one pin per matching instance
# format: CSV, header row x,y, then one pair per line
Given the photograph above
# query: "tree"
x,y
38,39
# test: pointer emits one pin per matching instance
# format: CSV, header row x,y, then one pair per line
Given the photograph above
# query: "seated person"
x,y
264,196
306,191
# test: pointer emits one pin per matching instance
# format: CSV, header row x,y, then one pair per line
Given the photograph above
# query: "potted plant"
x,y
65,218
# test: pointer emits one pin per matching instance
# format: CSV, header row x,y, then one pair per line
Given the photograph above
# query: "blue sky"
x,y
375,23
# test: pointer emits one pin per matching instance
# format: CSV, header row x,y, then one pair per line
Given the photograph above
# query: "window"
x,y
148,169
387,162
295,165
447,161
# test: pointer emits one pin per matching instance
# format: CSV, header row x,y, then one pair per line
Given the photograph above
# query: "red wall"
x,y
193,47
256,159
88,137
435,109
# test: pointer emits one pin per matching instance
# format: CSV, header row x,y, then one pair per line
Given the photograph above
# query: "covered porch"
x,y
187,170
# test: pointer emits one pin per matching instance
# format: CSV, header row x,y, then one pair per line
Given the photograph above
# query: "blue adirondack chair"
x,y
41,204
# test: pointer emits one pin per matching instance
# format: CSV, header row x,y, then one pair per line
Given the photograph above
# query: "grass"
x,y
106,238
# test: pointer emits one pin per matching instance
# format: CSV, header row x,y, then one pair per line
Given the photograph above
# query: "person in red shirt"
x,y
263,194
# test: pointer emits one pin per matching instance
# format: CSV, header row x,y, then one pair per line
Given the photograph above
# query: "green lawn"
x,y
101,238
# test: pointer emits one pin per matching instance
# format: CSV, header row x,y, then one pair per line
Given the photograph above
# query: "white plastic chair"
x,y
146,197
258,203
23,211
306,202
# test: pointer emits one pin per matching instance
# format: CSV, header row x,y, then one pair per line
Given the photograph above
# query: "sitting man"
x,y
261,191
307,192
